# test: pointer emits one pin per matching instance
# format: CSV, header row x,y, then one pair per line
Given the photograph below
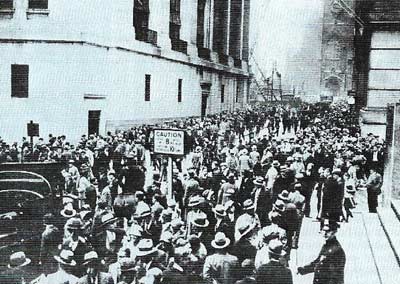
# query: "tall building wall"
x,y
85,58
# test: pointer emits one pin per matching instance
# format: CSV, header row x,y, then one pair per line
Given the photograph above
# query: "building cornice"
x,y
206,65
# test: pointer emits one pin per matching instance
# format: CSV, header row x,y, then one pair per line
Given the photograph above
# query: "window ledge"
x,y
7,11
38,11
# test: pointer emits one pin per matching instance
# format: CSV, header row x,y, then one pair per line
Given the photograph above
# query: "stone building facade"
x,y
76,67
337,49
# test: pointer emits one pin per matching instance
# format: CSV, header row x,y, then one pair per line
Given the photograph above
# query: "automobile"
x,y
25,198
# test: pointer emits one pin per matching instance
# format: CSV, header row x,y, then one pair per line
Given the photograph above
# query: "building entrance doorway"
x,y
94,121
205,92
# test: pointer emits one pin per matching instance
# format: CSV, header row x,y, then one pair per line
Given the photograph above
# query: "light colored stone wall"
x,y
78,49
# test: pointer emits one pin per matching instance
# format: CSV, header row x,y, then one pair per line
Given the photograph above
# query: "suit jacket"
x,y
103,278
329,265
274,273
221,267
61,277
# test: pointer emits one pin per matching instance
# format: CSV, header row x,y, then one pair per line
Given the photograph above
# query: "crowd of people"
x,y
234,215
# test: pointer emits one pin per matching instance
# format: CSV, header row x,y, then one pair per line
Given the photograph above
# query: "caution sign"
x,y
169,142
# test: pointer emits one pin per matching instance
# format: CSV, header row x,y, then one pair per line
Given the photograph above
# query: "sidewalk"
x,y
360,264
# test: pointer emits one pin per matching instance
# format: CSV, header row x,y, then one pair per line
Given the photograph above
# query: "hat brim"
x,y
277,208
108,222
58,259
251,228
284,199
201,225
67,215
141,216
216,246
147,252
219,213
27,261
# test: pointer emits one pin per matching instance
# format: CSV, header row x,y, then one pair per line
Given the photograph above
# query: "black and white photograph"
x,y
200,142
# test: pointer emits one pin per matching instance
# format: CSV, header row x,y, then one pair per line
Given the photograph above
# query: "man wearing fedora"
x,y
223,224
18,270
75,242
248,215
245,246
200,226
267,234
93,274
274,271
221,266
127,272
262,201
228,190
65,272
328,267
146,259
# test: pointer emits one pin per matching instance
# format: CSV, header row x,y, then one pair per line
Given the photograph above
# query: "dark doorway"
x,y
204,97
94,122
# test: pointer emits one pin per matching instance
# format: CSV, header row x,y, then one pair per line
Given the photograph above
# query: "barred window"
x,y
38,4
174,19
19,81
141,13
180,90
6,4
147,88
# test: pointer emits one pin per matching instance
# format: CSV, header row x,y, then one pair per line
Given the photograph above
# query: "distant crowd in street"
x,y
234,215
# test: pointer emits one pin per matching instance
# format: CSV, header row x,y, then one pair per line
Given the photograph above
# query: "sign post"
x,y
169,142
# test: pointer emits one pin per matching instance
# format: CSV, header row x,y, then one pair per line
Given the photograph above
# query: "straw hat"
x,y
248,205
68,211
275,248
145,247
74,224
279,206
90,257
284,196
219,210
220,241
66,258
201,220
18,259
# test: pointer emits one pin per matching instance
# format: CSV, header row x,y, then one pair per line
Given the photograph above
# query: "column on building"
x,y
245,30
159,22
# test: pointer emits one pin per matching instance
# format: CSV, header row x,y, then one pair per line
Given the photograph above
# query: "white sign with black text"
x,y
169,142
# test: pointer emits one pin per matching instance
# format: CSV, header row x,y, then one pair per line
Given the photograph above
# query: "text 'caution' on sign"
x,y
169,142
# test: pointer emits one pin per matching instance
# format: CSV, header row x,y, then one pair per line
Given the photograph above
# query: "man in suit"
x,y
374,184
221,266
65,270
93,274
274,272
328,267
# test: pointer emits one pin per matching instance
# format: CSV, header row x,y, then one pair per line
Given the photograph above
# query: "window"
x,y
6,4
179,90
237,92
222,94
19,81
147,88
175,19
200,22
38,4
